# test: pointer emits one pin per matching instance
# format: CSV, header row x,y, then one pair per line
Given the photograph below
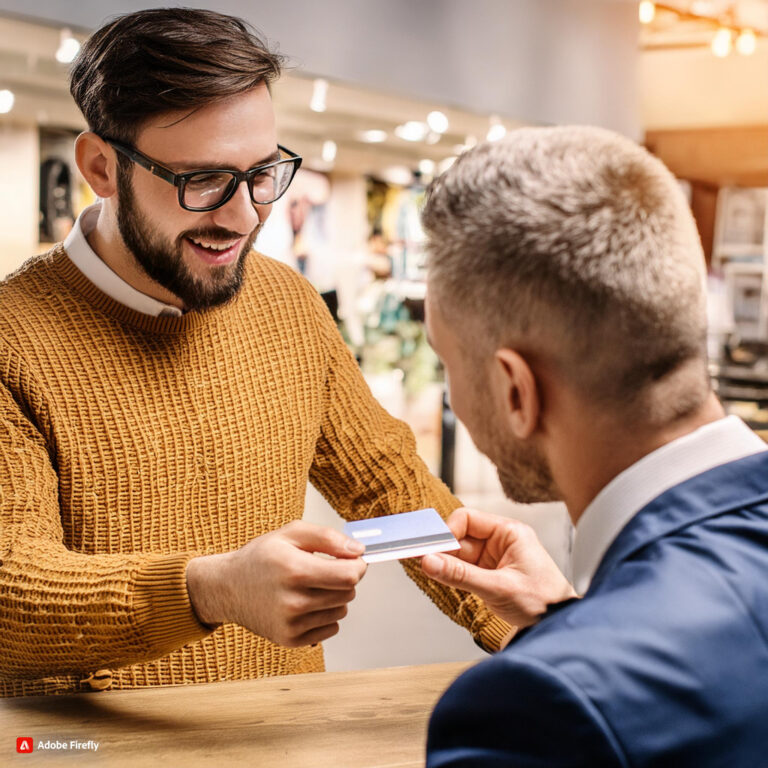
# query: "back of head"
x,y
575,245
162,60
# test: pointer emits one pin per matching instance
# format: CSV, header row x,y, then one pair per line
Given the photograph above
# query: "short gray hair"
x,y
575,242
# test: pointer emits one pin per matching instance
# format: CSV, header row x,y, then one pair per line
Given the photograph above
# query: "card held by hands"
x,y
409,534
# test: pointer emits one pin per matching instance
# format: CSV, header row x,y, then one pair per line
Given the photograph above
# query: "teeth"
x,y
214,246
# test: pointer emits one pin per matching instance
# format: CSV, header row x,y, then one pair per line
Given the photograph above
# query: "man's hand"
x,y
276,587
503,562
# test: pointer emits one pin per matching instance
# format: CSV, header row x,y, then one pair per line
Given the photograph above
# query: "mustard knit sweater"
x,y
131,443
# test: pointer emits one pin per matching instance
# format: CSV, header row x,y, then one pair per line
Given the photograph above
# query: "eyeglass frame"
x,y
179,180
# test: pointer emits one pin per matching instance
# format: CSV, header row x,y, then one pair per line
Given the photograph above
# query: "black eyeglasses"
x,y
206,190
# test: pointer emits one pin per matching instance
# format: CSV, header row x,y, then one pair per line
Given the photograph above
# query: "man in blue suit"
x,y
566,301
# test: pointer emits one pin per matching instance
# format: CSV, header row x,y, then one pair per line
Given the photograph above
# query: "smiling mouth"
x,y
213,252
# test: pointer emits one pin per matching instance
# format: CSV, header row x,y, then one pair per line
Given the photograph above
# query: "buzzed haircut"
x,y
576,244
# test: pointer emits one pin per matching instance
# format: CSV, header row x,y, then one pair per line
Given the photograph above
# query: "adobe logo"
x,y
24,744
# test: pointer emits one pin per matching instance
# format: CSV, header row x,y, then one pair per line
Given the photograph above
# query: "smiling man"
x,y
166,393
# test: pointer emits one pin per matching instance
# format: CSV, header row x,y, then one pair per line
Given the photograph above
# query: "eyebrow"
x,y
181,167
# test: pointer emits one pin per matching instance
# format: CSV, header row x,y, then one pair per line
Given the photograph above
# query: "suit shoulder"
x,y
512,708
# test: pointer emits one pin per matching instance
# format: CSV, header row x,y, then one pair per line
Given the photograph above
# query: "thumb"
x,y
314,538
454,572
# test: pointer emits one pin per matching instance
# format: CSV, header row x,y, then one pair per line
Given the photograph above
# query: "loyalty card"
x,y
409,534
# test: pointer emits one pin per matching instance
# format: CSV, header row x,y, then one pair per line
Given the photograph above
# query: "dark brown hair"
x,y
164,59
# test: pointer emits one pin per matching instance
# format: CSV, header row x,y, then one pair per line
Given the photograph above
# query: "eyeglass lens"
x,y
206,189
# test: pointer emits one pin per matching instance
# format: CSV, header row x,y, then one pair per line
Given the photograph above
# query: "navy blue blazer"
x,y
663,662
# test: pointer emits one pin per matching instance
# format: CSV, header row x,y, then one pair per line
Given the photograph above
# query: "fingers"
x,y
486,584
318,620
306,571
315,538
474,524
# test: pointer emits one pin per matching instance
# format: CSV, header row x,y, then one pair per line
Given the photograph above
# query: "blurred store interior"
x,y
381,97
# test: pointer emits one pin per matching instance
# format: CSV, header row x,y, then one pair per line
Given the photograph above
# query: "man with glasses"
x,y
166,393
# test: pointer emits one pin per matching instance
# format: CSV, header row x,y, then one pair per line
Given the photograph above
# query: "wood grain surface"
x,y
364,719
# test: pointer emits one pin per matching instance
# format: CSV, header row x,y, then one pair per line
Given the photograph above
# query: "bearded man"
x,y
565,297
166,394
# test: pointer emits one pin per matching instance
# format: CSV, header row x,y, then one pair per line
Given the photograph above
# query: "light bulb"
x,y
6,101
496,131
722,42
413,130
329,151
426,167
746,42
373,136
68,47
319,92
646,11
437,121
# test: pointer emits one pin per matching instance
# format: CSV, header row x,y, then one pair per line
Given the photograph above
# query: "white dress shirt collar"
x,y
85,259
705,448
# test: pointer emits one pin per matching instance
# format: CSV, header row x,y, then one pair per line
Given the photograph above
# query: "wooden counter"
x,y
366,719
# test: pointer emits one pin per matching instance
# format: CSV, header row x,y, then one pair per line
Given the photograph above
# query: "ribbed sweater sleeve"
x,y
63,611
366,465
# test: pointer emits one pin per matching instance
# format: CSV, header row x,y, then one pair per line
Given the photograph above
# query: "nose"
x,y
239,214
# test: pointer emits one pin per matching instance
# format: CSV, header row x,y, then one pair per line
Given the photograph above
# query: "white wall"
x,y
550,61
19,183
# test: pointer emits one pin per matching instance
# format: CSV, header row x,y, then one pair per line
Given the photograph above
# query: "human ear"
x,y
96,161
522,402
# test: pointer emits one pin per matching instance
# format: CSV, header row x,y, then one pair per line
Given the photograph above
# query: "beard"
x,y
162,259
526,478
523,471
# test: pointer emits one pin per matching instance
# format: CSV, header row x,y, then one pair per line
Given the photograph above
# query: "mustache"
x,y
217,234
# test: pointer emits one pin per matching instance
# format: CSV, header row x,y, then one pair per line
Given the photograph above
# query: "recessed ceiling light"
x,y
437,121
427,166
329,151
6,101
497,130
374,136
68,47
319,92
722,42
746,42
413,130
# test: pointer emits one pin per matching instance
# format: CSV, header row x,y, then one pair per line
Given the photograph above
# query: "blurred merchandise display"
x,y
738,304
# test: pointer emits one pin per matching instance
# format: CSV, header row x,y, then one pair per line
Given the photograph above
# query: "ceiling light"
x,y
646,12
329,151
437,121
413,130
746,42
68,47
432,137
319,92
497,130
426,167
6,101
372,136
722,42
